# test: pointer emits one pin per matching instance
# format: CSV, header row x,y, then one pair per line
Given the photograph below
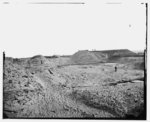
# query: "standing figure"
x,y
115,68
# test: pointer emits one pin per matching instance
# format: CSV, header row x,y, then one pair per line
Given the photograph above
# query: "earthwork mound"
x,y
38,60
86,57
121,52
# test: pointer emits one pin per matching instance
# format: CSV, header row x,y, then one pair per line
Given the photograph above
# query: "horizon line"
x,y
136,51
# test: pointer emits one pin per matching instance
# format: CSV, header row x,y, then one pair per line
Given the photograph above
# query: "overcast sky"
x,y
30,29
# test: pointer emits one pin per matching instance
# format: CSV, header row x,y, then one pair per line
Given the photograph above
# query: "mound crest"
x,y
38,60
86,57
121,52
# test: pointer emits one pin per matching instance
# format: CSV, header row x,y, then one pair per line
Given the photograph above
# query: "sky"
x,y
63,29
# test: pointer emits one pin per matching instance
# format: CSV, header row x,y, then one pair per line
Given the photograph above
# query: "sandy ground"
x,y
73,91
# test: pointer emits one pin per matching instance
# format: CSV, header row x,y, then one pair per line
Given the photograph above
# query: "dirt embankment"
x,y
38,89
87,57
